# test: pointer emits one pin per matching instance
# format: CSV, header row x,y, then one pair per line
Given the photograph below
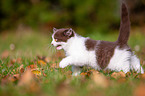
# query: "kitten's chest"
x,y
76,48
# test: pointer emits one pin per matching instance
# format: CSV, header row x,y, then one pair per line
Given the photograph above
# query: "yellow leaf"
x,y
36,72
117,75
41,62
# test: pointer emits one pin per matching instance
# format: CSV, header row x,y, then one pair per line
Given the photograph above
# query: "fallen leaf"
x,y
47,59
5,54
14,77
142,76
99,79
26,78
13,61
41,62
32,66
64,89
121,80
44,74
128,74
117,75
84,73
19,60
4,80
54,65
140,90
21,68
36,71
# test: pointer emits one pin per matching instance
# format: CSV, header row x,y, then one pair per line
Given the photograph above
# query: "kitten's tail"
x,y
124,26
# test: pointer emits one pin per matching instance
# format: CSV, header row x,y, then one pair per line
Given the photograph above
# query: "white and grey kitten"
x,y
81,51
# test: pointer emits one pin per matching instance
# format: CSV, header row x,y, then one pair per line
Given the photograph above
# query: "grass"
x,y
55,81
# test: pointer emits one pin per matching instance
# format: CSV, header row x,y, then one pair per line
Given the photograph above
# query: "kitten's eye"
x,y
55,40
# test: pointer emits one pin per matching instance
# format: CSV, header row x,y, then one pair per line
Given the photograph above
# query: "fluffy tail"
x,y
124,26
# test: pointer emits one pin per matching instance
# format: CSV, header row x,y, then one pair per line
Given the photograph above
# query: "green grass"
x,y
58,81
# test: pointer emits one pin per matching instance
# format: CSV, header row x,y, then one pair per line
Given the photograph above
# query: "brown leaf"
x,y
44,74
140,90
14,77
26,78
121,80
64,89
13,61
99,79
4,80
19,60
21,69
117,75
54,65
128,74
84,73
47,59
32,66
142,76
5,54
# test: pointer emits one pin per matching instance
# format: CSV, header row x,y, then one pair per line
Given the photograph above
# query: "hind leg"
x,y
135,65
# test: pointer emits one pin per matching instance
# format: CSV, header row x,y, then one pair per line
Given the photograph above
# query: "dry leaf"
x,y
41,62
54,65
36,71
4,80
142,76
13,61
26,78
99,79
44,74
32,66
14,77
47,59
63,89
21,68
140,90
84,73
121,80
5,54
117,75
128,74
19,60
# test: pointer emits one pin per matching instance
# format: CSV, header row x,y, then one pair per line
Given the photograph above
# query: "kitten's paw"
x,y
63,64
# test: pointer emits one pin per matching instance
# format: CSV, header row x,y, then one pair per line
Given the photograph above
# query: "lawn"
x,y
29,67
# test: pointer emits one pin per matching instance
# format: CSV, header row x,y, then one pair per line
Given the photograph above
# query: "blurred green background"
x,y
28,23
82,15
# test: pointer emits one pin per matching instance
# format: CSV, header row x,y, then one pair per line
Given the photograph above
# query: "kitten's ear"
x,y
69,32
54,29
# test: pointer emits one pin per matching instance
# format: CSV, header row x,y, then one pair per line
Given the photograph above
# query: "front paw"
x,y
63,64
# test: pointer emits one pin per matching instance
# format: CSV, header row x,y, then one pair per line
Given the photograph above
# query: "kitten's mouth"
x,y
58,47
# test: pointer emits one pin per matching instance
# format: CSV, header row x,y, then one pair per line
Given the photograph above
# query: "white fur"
x,y
78,55
120,60
135,64
124,60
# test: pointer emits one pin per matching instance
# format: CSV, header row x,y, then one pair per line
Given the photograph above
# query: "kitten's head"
x,y
61,36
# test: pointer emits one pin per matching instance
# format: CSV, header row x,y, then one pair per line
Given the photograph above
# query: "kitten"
x,y
81,51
